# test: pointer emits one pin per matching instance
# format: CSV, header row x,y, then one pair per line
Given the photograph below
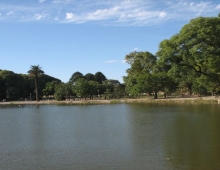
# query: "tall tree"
x,y
196,48
141,63
100,77
35,72
75,76
90,77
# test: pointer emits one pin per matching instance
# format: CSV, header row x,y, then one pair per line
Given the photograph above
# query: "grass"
x,y
115,101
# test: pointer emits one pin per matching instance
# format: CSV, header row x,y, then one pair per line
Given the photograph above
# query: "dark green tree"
x,y
14,85
75,76
100,77
2,89
90,77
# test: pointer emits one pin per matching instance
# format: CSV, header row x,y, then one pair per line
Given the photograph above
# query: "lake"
x,y
107,137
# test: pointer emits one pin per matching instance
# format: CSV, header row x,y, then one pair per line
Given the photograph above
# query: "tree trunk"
x,y
36,88
155,95
165,95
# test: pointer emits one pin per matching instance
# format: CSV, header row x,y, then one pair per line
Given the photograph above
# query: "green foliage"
x,y
3,89
20,86
81,88
63,91
145,75
90,77
131,86
50,88
75,76
93,88
13,85
59,92
140,62
192,54
99,77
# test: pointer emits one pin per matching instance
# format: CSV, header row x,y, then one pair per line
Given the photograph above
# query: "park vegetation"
x,y
186,64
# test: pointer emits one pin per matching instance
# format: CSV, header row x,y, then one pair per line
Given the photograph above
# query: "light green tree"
x,y
81,88
194,51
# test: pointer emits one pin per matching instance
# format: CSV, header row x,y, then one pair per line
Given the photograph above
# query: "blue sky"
x,y
65,36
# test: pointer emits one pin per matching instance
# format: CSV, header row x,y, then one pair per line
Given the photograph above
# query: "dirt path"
x,y
209,99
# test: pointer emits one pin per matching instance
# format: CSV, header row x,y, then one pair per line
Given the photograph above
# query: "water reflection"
x,y
119,136
193,139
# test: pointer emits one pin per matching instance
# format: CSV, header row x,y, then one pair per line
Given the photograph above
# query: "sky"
x,y
65,36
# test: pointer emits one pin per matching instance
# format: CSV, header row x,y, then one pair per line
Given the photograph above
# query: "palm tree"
x,y
35,72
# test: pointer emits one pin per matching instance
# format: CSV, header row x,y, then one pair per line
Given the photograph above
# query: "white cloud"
x,y
10,13
112,12
111,61
40,16
135,49
69,15
56,19
124,61
103,13
192,3
56,1
162,14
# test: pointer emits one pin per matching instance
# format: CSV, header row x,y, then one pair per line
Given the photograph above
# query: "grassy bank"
x,y
197,100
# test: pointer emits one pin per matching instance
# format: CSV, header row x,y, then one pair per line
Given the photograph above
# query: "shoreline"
x,y
190,100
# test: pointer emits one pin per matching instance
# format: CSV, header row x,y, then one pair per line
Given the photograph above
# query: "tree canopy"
x,y
100,77
194,52
75,76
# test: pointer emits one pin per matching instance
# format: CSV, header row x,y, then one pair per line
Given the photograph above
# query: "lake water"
x,y
110,137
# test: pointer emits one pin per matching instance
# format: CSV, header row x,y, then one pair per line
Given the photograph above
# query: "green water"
x,y
119,137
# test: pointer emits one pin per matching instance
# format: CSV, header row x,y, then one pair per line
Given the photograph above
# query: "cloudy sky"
x,y
65,36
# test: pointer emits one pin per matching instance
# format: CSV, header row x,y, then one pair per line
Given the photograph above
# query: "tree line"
x,y
15,86
36,85
187,63
88,86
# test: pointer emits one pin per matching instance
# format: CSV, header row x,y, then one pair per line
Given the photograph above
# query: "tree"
x,y
131,86
63,91
153,83
90,77
196,50
93,88
50,88
3,89
75,76
99,77
35,72
14,86
142,63
81,88
60,92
